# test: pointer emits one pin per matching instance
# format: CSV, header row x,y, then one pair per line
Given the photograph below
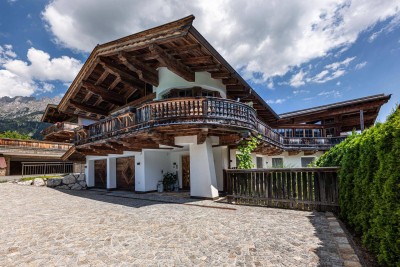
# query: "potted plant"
x,y
169,181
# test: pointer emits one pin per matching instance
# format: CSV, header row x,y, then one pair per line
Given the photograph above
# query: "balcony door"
x,y
186,172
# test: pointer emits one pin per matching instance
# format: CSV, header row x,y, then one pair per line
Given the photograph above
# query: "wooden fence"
x,y
294,188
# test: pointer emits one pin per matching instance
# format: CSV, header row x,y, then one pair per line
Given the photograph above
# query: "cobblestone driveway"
x,y
44,227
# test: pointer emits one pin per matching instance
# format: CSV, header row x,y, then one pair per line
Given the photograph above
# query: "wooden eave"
x,y
117,73
53,115
346,113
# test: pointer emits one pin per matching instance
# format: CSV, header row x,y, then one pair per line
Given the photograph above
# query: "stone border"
x,y
69,182
345,250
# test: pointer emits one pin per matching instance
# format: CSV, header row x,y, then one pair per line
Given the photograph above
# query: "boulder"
x,y
54,182
28,182
76,187
83,184
81,177
38,182
69,179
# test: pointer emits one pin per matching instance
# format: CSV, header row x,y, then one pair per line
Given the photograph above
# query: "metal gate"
x,y
44,168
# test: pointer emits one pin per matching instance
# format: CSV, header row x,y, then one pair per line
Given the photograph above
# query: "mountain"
x,y
23,114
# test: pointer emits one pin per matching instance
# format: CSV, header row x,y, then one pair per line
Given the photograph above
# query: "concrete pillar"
x,y
203,181
89,173
111,173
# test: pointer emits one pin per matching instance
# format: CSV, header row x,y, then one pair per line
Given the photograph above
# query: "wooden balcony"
x,y
181,116
60,132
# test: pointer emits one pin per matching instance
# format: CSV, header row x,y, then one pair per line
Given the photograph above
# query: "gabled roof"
x,y
117,73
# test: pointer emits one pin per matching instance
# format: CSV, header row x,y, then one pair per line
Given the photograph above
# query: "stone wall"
x,y
69,182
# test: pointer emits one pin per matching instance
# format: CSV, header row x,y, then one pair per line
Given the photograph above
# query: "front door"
x,y
186,172
126,173
100,173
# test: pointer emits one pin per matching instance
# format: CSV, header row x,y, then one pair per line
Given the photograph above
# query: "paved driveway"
x,y
44,227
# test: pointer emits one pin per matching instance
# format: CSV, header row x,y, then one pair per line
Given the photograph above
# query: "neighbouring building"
x,y
164,100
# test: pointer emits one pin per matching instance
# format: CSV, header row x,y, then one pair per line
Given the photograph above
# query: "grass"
x,y
3,181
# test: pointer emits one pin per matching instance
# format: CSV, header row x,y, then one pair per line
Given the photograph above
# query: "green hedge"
x,y
369,184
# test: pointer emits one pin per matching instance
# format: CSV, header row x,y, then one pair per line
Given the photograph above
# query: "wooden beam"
x,y
102,77
221,75
172,64
145,73
230,81
104,93
197,60
213,67
172,51
87,108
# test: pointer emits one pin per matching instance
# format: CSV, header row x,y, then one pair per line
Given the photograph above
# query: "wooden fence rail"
x,y
294,188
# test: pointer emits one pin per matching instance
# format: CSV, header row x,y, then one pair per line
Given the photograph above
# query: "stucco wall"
x,y
156,164
168,80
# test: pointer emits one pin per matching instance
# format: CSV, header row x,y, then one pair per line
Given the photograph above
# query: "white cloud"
x,y
338,83
336,65
23,78
333,93
298,79
254,36
360,65
300,91
276,101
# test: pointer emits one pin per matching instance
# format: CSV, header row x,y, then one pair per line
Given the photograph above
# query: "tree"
x,y
14,135
246,147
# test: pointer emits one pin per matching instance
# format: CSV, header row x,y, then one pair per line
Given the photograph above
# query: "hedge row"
x,y
369,184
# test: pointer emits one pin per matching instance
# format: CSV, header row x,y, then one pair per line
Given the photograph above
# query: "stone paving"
x,y
40,226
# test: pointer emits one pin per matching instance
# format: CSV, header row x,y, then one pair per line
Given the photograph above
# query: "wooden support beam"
x,y
235,87
104,93
172,51
197,60
230,81
221,75
102,77
172,64
213,67
145,73
87,108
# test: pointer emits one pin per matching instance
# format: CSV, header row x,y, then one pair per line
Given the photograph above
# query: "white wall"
x,y
220,162
156,163
168,80
292,161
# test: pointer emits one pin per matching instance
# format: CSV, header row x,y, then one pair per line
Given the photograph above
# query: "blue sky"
x,y
295,54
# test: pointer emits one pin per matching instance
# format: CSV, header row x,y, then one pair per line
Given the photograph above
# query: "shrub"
x,y
14,135
369,184
246,147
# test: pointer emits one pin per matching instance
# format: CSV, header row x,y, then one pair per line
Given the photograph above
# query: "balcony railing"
x,y
59,127
186,111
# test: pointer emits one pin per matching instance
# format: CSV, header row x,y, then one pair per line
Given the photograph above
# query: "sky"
x,y
295,54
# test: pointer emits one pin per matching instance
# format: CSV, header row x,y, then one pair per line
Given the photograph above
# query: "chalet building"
x,y
164,100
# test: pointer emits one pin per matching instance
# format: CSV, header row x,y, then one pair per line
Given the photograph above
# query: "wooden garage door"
x,y
126,173
100,173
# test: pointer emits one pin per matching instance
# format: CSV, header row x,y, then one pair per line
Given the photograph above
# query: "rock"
x,y
81,177
54,182
76,187
69,179
28,182
38,182
62,187
83,184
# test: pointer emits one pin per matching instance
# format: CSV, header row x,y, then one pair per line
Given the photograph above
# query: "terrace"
x,y
60,131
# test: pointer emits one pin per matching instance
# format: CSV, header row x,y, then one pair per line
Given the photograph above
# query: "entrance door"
x,y
185,172
126,173
100,173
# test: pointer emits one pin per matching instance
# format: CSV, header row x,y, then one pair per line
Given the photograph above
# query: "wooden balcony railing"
x,y
32,146
59,127
186,111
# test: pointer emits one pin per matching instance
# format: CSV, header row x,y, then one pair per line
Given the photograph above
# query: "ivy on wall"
x,y
369,184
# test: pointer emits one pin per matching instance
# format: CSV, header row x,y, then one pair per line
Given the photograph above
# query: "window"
x,y
190,92
281,132
330,132
299,133
277,162
317,133
289,133
259,162
305,161
308,132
